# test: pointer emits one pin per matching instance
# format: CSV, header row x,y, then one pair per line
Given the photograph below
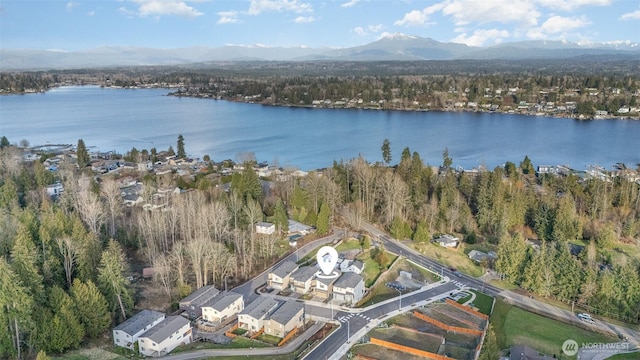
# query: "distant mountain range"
x,y
389,48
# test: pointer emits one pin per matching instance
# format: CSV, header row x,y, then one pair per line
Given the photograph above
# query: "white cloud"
x,y
569,5
502,11
91,13
481,37
259,6
350,3
635,15
159,8
304,19
558,25
71,5
359,30
375,28
228,17
419,17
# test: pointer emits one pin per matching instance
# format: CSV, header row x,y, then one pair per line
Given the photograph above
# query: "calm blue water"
x,y
109,119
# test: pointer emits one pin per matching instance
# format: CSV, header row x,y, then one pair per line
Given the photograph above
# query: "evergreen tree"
x,y
323,225
512,254
92,308
64,331
82,154
490,349
422,232
112,280
386,151
24,263
527,167
447,161
16,310
4,142
170,151
42,355
180,146
280,218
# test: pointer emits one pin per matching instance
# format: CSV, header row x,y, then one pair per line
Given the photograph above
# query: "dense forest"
x,y
66,263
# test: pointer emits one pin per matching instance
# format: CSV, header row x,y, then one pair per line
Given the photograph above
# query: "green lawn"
x,y
483,302
269,339
513,325
239,342
372,269
464,299
350,244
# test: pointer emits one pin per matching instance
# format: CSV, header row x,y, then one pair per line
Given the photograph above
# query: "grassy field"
x,y
451,258
351,244
372,269
513,325
239,342
407,338
381,353
483,302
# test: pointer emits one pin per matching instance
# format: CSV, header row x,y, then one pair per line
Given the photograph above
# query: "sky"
x,y
86,24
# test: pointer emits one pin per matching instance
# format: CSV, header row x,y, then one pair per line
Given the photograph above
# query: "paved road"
x,y
354,325
248,289
526,302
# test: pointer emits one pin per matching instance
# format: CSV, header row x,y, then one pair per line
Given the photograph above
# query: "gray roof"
x,y
348,280
259,307
286,312
326,281
358,264
139,321
201,295
222,300
304,273
285,268
165,328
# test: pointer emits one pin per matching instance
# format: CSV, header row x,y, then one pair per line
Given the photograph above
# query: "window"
x,y
117,340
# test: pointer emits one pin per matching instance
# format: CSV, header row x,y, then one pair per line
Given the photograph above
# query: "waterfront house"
x,y
253,316
222,306
349,288
166,336
285,318
126,334
192,304
278,278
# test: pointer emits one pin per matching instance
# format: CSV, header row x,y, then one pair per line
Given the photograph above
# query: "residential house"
x,y
166,336
349,288
278,278
222,306
298,228
302,279
523,352
324,286
126,334
355,266
265,228
253,316
447,240
192,304
289,316
55,189
479,256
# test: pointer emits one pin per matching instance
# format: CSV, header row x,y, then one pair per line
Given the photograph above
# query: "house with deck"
x,y
279,277
302,279
223,306
166,336
192,304
126,334
288,316
253,316
349,288
448,241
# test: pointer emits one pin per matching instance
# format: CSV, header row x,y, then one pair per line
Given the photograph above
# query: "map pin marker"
x,y
327,258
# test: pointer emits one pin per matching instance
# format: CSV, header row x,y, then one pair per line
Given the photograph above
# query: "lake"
x,y
118,119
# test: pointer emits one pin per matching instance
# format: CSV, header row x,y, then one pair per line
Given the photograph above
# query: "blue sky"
x,y
84,24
